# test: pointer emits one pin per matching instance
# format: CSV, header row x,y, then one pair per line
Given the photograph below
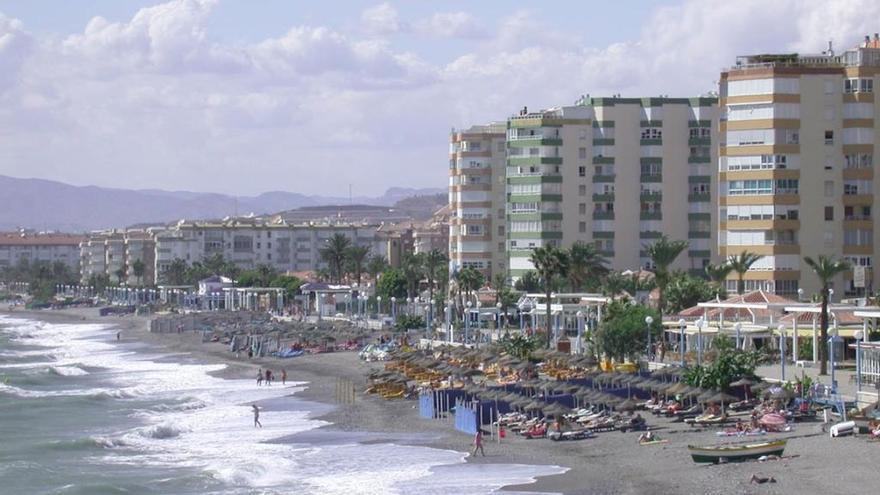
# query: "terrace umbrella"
x,y
627,405
745,383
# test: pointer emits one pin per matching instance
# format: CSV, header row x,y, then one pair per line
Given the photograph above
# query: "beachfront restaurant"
x,y
572,314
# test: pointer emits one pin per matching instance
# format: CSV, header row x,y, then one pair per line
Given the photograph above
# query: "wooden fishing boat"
x,y
735,452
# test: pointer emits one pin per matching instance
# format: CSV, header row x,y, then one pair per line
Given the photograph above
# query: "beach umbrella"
x,y
556,409
745,383
627,405
534,406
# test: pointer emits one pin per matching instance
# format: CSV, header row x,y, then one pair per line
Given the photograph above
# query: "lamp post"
x,y
682,324
448,323
738,328
700,324
831,341
580,324
409,302
393,307
859,335
649,320
427,324
498,324
800,293
467,322
781,329
479,330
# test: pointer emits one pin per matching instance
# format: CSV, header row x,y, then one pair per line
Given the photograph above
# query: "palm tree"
x,y
375,265
826,268
663,253
357,255
175,273
550,262
433,262
334,254
740,263
413,269
138,268
718,273
120,274
470,279
586,264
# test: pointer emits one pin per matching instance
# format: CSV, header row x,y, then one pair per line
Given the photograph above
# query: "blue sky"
x,y
250,96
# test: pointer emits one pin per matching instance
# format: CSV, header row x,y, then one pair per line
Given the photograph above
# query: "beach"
x,y
611,462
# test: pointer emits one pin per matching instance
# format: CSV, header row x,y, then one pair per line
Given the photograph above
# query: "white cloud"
x,y
155,101
382,19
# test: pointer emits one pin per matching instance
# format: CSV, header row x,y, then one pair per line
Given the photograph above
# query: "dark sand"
x,y
610,463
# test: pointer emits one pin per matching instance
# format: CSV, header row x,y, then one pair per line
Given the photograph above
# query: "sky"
x,y
244,97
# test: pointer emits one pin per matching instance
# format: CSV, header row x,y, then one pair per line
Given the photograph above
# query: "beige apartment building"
x,y
796,169
617,172
477,199
114,253
33,247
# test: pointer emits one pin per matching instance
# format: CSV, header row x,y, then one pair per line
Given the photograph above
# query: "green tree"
x,y
376,265
586,266
520,346
684,291
717,274
623,332
729,365
138,268
357,256
334,254
825,268
413,267
392,283
215,264
432,264
119,273
551,263
741,263
529,282
265,274
470,279
248,278
99,282
663,254
289,283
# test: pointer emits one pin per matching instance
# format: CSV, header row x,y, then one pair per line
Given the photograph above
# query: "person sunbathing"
x,y
647,437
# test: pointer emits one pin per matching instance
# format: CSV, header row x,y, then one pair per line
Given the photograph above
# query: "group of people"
x,y
268,376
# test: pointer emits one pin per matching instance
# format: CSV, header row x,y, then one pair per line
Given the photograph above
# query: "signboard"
x,y
859,277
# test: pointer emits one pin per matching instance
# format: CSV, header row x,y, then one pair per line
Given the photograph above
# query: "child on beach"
x,y
257,416
260,377
478,444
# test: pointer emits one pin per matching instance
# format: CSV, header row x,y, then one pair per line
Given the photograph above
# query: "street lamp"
x,y
738,327
800,293
378,306
393,307
498,324
467,322
700,324
649,320
580,324
859,335
681,326
781,329
427,324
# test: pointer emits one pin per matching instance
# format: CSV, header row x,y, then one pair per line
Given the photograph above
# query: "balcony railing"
x,y
651,177
603,215
603,177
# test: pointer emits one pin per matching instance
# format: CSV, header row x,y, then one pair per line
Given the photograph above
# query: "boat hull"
x,y
735,453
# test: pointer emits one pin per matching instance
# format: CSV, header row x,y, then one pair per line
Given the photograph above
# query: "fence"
x,y
345,391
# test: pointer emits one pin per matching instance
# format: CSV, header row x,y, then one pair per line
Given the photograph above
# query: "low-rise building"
x,y
16,247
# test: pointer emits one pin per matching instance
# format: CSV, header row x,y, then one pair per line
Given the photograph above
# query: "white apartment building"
x,y
16,247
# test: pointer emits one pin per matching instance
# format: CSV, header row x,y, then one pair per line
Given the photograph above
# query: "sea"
x,y
81,413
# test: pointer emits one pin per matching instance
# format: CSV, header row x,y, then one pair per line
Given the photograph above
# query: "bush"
x,y
408,322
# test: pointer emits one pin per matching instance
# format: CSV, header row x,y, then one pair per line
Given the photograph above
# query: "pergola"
x,y
248,298
321,291
565,308
868,353
812,313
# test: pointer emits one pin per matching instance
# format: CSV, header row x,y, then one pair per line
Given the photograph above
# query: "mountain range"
x,y
49,205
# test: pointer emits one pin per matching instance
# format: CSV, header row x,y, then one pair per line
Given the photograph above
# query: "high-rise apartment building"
x,y
617,172
116,253
477,199
796,169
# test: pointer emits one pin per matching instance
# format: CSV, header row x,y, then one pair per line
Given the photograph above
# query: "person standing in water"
x,y
260,377
283,376
257,417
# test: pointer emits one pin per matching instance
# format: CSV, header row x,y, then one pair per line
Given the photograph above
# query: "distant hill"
x,y
422,206
49,205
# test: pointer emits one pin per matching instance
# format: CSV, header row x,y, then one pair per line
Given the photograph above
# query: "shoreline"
x,y
609,463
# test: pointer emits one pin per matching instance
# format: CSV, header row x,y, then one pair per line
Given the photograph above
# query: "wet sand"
x,y
611,463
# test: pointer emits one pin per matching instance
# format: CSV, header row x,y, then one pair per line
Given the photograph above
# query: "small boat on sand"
x,y
735,452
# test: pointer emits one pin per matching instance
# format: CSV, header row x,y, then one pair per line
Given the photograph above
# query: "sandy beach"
x,y
610,463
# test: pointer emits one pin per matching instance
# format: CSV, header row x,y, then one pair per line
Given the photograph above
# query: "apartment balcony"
x,y
650,215
530,141
699,141
603,141
650,234
604,197
651,195
603,177
530,161
651,178
698,198
699,253
699,159
858,199
699,234
651,142
760,224
603,215
603,160
606,253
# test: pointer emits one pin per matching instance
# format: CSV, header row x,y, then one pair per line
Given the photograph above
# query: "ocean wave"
x,y
162,431
117,393
67,371
89,443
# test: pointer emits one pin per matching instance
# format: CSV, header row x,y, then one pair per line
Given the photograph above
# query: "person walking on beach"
x,y
257,416
478,443
260,377
268,377
283,376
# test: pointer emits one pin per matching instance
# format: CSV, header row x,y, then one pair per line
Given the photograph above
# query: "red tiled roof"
x,y
843,317
755,297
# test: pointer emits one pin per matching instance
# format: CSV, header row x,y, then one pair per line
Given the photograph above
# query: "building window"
x,y
582,190
829,213
829,137
500,230
500,247
582,153
582,208
829,188
582,171
582,227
